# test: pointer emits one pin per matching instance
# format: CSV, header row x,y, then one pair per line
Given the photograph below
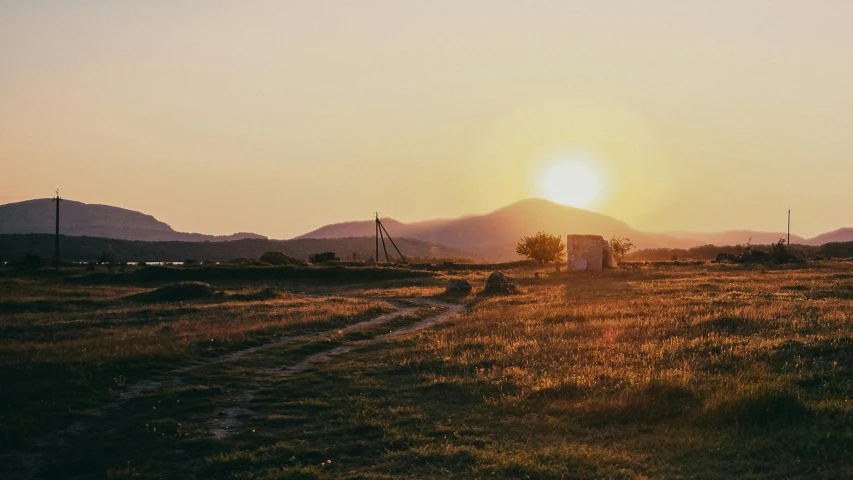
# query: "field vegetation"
x,y
647,371
14,248
836,250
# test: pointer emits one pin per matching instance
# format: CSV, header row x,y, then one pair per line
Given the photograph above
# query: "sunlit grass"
x,y
711,371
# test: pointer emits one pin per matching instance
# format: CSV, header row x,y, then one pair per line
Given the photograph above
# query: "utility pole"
x,y
381,233
789,228
382,228
57,199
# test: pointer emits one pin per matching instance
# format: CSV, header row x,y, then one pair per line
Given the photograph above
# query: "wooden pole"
x,y
384,249
57,199
789,227
392,242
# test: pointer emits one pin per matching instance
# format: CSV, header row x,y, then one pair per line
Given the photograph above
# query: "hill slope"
x,y
79,219
840,235
494,235
84,249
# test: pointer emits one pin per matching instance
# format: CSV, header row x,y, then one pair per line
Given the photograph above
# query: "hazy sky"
x,y
277,117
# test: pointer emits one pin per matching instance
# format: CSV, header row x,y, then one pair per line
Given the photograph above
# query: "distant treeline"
x,y
710,252
14,248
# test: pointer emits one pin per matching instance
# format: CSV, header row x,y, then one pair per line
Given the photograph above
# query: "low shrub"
x,y
279,259
323,257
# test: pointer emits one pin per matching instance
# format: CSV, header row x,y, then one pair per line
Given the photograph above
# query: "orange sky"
x,y
278,117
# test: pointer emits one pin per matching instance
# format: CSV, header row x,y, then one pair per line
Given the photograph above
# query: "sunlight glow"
x,y
570,182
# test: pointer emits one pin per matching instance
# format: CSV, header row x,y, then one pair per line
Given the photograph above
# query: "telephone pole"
x,y
57,199
381,233
789,227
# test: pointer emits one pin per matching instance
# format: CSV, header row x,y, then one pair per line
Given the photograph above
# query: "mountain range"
x,y
92,220
494,235
491,236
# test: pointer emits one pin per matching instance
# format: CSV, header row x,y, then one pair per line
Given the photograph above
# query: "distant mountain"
x,y
493,236
83,219
840,235
84,249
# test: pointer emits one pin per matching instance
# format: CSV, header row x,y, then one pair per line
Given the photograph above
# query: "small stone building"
x,y
588,252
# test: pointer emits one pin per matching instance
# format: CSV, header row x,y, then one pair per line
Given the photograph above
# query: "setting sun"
x,y
572,183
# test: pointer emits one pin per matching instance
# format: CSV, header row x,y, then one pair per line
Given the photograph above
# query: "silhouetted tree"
x,y
543,248
779,252
107,258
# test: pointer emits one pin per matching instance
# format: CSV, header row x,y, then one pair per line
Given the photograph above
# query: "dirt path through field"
x,y
322,357
242,408
227,420
142,387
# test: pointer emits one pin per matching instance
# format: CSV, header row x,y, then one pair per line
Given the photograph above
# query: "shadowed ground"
x,y
662,371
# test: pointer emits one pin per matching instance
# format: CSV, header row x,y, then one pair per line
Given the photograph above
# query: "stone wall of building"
x,y
588,252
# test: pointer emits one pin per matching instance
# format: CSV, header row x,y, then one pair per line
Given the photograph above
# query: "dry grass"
x,y
711,371
64,349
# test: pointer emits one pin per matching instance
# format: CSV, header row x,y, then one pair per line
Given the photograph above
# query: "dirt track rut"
x,y
227,420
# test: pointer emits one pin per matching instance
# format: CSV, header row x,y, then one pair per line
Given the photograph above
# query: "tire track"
x,y
451,311
232,413
32,460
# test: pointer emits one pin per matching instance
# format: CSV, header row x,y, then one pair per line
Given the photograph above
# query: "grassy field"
x,y
681,371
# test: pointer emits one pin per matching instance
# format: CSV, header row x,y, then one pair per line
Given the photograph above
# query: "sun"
x,y
570,182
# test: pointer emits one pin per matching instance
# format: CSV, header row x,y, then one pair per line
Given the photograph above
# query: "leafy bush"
x,y
278,258
542,247
620,247
107,258
323,257
779,252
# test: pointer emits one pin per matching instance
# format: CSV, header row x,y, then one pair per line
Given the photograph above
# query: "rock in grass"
x,y
499,284
458,286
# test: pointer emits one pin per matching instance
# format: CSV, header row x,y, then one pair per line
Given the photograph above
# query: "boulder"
x,y
458,286
499,284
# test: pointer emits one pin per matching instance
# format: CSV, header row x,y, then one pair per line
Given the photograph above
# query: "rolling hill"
x,y
493,235
83,219
85,249
840,235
